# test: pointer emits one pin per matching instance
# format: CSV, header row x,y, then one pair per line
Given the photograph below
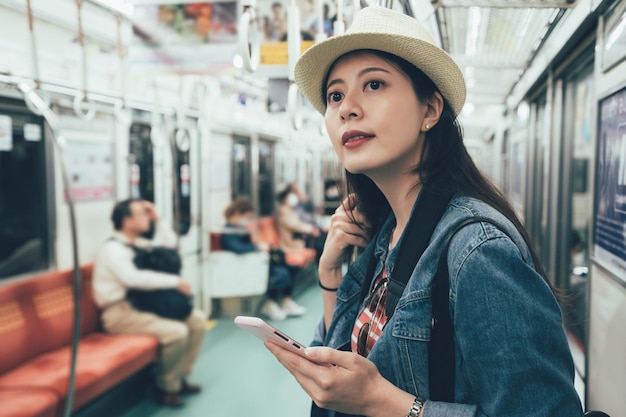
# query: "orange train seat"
x,y
269,234
36,329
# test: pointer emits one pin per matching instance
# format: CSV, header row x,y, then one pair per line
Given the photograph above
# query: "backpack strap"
x,y
428,211
441,361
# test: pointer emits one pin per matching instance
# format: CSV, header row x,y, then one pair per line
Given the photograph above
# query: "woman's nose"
x,y
350,108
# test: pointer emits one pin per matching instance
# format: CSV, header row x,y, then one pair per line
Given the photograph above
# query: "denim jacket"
x,y
511,353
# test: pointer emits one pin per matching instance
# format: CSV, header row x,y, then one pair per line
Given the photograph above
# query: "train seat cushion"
x,y
215,241
267,231
36,315
300,258
29,402
103,361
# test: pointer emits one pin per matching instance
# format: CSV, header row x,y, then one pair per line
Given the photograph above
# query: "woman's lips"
x,y
354,138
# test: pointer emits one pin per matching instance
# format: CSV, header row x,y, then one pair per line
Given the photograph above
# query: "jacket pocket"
x,y
412,319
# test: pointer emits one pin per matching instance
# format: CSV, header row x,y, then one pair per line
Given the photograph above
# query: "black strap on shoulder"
x,y
426,214
441,361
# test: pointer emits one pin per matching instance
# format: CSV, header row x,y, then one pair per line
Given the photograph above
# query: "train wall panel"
x,y
607,362
94,193
218,188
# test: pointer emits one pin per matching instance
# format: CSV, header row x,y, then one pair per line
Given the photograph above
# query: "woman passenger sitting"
x,y
292,230
237,238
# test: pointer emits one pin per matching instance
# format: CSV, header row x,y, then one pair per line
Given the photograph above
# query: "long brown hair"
x,y
445,164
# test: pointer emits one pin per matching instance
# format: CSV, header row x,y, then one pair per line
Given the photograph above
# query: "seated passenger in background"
x,y
332,197
296,225
304,206
292,230
237,238
115,272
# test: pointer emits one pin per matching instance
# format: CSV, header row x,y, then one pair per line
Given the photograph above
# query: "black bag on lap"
x,y
277,257
167,303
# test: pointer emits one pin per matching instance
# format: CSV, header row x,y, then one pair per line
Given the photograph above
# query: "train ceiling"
x,y
494,41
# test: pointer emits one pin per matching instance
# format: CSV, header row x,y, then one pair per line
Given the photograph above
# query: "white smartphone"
x,y
264,331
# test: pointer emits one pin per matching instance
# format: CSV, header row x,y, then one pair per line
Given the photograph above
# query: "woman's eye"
x,y
334,97
374,85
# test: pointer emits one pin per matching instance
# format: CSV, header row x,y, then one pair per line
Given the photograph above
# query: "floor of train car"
x,y
239,377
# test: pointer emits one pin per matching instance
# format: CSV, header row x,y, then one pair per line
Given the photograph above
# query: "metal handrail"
x,y
31,97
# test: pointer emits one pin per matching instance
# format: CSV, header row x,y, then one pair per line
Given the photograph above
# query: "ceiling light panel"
x,y
503,38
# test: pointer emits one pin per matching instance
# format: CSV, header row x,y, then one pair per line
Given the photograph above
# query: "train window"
x,y
141,160
241,168
266,178
24,222
182,142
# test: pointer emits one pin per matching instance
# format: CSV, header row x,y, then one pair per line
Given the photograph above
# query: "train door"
x,y
266,178
253,172
186,197
241,168
26,210
538,176
578,147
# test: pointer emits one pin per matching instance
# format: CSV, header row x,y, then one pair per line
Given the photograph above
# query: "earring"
x,y
427,127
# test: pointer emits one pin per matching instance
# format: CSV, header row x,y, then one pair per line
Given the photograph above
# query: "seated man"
x,y
115,272
237,239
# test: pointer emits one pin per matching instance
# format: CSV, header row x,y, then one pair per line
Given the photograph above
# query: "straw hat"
x,y
385,30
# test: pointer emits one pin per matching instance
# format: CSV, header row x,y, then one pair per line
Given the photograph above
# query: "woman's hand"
x,y
352,385
348,228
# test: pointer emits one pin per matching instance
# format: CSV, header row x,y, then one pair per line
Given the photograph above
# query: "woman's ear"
x,y
434,108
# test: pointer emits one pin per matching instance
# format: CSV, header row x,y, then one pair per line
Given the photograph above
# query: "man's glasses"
x,y
369,332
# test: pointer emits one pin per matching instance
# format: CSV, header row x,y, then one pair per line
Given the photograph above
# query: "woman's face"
x,y
373,116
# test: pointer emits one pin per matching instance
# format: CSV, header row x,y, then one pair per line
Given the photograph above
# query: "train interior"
x,y
105,100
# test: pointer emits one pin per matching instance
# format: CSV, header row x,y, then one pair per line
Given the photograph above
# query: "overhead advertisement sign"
x,y
272,17
183,38
610,196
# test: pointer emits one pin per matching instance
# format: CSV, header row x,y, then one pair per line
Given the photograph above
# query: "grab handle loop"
x,y
120,109
249,47
294,106
34,61
83,107
81,98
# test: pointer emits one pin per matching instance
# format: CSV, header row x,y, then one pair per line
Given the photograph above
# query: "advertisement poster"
x,y
610,199
614,49
183,38
90,166
273,20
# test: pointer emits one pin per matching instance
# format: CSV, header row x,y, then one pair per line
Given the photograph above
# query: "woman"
x,y
292,230
390,99
279,305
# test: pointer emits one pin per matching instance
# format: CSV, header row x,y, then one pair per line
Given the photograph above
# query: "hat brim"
x,y
313,65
